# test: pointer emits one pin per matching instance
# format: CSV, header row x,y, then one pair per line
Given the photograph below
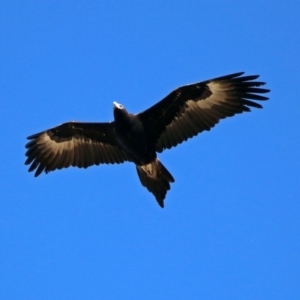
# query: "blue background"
x,y
230,228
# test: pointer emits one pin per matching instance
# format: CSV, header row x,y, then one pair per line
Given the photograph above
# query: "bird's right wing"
x,y
73,144
193,108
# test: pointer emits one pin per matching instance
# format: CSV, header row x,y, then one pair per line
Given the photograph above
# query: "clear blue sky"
x,y
230,227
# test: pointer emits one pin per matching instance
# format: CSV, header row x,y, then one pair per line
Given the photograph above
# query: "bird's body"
x,y
184,113
131,136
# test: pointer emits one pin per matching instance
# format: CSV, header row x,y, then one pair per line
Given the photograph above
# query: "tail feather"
x,y
156,178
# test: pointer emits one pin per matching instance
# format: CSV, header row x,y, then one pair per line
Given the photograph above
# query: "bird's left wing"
x,y
73,144
191,109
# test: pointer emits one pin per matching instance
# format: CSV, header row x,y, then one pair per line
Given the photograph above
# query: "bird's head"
x,y
119,111
117,105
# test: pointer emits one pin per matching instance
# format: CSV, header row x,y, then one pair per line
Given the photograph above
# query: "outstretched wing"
x,y
190,109
73,144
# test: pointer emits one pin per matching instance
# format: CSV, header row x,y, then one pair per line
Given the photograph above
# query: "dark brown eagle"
x,y
137,138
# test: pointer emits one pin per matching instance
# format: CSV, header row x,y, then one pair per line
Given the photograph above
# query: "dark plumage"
x,y
182,114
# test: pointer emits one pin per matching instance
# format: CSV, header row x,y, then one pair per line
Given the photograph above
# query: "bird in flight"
x,y
136,138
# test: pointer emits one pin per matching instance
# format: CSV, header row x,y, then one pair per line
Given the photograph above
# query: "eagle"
x,y
137,138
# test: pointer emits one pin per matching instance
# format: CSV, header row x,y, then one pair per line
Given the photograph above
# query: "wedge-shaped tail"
x,y
156,178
